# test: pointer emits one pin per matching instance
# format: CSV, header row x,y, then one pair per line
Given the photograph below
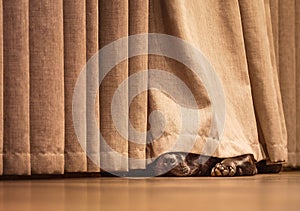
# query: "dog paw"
x,y
224,169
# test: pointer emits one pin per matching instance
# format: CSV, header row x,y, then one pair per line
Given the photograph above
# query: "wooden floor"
x,y
261,192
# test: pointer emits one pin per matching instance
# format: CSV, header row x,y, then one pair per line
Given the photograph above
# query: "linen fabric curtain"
x,y
253,47
286,37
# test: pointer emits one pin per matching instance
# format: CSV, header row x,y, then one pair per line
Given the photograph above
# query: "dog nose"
x,y
181,164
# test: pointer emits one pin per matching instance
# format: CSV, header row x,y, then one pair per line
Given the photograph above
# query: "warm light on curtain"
x,y
254,47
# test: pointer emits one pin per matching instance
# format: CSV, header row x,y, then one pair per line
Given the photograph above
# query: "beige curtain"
x,y
286,31
253,46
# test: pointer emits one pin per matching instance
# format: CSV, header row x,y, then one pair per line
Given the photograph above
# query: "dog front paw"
x,y
224,169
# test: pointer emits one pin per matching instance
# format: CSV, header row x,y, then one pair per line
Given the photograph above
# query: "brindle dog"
x,y
182,164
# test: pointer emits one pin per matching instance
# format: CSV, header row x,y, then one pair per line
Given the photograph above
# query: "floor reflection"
x,y
261,192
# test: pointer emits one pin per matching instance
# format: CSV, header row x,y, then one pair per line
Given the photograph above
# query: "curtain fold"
x,y
92,46
285,18
113,25
287,71
16,145
47,119
273,7
264,78
222,31
1,89
74,25
297,10
138,23
253,47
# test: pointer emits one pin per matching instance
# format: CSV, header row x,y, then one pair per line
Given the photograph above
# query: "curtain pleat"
x,y
113,25
161,20
275,65
221,31
16,147
138,23
92,108
74,61
1,89
287,71
46,86
297,39
273,7
264,84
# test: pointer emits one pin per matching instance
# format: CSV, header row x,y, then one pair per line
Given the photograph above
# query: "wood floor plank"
x,y
260,192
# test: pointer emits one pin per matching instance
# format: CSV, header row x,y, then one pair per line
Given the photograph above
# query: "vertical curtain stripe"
x,y
74,61
274,60
46,87
1,89
92,108
138,23
271,41
16,148
273,4
265,96
297,39
287,71
113,25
